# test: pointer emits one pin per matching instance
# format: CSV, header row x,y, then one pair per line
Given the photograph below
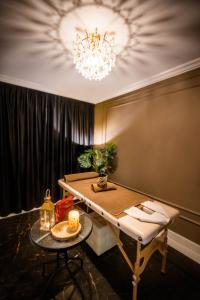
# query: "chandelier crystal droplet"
x,y
94,54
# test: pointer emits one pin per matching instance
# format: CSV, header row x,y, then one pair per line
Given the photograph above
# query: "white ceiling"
x,y
152,37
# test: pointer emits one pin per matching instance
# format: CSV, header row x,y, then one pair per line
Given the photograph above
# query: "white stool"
x,y
101,238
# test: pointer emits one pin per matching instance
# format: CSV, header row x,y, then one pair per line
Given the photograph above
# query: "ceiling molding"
x,y
189,66
34,86
181,69
27,84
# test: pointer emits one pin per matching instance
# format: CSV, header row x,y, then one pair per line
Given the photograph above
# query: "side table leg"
x,y
57,261
44,292
67,261
76,257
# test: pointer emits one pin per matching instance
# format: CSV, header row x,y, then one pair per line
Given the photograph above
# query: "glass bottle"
x,y
47,213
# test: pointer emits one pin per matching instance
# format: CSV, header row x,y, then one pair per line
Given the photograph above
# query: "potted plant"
x,y
100,160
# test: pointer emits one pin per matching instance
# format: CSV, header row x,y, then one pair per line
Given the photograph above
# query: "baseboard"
x,y
185,246
22,212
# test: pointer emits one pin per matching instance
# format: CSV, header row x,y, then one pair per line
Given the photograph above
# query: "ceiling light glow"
x,y
94,54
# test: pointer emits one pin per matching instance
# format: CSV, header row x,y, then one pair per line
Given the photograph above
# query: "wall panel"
x,y
157,132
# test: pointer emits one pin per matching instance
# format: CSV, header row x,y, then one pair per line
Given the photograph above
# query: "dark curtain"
x,y
41,136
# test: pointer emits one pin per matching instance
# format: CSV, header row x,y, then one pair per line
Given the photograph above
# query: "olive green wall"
x,y
157,132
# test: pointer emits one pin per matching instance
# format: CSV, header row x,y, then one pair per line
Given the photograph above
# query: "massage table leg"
x,y
136,274
136,268
143,256
164,251
120,246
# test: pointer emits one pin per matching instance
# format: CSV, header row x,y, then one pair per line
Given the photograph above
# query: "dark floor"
x,y
105,277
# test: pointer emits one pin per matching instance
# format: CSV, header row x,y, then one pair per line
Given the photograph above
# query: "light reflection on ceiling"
x,y
152,36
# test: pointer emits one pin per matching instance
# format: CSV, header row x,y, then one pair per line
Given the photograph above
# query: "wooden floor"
x,y
105,277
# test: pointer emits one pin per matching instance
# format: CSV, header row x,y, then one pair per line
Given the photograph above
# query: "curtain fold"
x,y
41,136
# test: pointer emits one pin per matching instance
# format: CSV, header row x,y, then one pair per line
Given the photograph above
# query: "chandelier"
x,y
94,54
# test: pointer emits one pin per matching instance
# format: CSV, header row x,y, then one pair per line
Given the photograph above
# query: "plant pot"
x,y
102,181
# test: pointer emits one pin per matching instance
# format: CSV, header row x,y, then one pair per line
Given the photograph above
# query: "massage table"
x,y
111,205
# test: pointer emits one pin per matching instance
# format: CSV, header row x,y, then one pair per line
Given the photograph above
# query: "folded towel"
x,y
80,176
155,217
109,186
155,207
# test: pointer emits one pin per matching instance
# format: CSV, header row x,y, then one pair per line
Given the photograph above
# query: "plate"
x,y
60,231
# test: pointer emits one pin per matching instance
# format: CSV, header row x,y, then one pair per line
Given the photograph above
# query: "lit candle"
x,y
46,224
73,220
44,221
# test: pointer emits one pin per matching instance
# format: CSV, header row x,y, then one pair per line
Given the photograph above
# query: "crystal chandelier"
x,y
94,54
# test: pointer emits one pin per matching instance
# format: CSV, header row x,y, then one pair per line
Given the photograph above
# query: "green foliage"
x,y
100,159
85,159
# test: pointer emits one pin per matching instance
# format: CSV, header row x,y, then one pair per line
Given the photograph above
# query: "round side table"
x,y
45,241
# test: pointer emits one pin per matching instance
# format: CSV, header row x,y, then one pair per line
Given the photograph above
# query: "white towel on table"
x,y
159,215
155,207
